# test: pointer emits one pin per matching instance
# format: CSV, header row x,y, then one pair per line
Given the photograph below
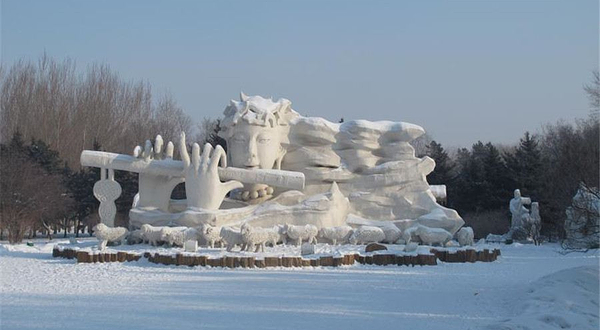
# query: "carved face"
x,y
253,146
517,193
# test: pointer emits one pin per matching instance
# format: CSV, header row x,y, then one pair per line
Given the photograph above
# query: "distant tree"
x,y
443,172
208,132
497,179
420,144
593,92
482,180
570,155
52,101
30,195
525,165
80,185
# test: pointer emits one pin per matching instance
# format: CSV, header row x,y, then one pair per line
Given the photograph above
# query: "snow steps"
x,y
467,255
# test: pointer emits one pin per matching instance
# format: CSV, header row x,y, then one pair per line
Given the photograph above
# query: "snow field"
x,y
519,291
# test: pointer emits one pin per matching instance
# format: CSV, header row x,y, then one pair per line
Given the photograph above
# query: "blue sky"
x,y
464,70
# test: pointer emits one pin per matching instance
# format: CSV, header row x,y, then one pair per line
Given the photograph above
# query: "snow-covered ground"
x,y
528,287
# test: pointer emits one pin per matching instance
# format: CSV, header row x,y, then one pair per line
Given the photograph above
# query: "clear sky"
x,y
464,70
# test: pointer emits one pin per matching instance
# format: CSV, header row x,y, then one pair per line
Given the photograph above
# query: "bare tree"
x,y
593,92
420,144
69,110
204,129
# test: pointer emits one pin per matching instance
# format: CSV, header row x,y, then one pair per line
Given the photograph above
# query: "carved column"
x,y
107,190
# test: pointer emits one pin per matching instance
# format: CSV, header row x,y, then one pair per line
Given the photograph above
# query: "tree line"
x,y
548,167
50,112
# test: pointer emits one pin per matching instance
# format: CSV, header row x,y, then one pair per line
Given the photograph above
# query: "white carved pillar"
x,y
107,190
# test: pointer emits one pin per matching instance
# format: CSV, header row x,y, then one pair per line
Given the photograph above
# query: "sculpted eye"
x,y
238,139
263,140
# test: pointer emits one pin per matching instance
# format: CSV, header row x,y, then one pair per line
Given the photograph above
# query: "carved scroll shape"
x,y
107,190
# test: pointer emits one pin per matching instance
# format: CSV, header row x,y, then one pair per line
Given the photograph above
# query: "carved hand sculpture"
x,y
155,189
202,185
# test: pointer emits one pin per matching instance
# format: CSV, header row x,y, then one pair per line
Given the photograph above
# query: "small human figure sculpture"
x,y
535,223
519,212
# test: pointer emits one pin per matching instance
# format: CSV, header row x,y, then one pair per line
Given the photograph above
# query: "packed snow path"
x,y
39,292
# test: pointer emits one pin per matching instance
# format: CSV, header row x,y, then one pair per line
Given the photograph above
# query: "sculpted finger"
x,y
158,144
147,150
232,184
185,157
206,153
196,156
218,156
137,152
169,151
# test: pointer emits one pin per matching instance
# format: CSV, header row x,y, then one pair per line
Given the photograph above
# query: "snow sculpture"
x,y
465,236
210,234
307,249
107,190
232,237
367,234
582,225
411,247
256,237
535,223
519,212
105,234
190,246
135,237
283,168
431,236
298,234
519,216
392,234
336,235
151,234
179,235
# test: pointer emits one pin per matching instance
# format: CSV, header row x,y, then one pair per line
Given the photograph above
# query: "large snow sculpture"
x,y
582,226
283,168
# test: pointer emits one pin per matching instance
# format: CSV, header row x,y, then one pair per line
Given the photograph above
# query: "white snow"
x,y
529,287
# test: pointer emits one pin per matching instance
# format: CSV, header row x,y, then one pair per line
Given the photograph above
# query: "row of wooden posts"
x,y
468,255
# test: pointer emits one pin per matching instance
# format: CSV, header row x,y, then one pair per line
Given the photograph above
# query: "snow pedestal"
x,y
190,246
307,249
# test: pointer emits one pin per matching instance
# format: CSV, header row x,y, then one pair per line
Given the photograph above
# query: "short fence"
x,y
467,255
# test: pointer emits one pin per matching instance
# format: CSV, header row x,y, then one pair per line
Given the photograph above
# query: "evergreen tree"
x,y
81,188
482,182
42,154
497,182
444,167
525,166
32,188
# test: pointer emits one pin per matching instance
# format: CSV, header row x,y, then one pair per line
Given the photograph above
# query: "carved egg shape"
x,y
107,190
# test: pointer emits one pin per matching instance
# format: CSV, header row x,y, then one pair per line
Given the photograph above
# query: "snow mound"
x,y
567,299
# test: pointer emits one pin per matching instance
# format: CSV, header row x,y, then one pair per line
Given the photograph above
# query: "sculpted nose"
x,y
252,157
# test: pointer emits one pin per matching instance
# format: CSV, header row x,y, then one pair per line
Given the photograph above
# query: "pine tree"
x,y
525,166
444,167
497,182
42,154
